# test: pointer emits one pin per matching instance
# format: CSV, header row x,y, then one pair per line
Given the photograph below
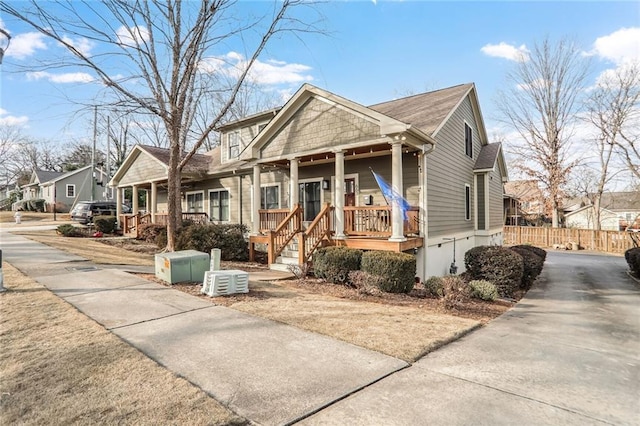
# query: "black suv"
x,y
84,211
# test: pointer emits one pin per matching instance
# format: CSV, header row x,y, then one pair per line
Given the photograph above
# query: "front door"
x,y
350,192
309,196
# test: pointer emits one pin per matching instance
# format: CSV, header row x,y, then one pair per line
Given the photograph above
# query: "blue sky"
x,y
375,51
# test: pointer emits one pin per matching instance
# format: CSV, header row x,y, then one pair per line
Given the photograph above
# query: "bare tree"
x,y
540,104
612,108
162,45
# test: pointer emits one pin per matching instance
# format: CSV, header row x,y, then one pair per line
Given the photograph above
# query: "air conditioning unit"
x,y
221,283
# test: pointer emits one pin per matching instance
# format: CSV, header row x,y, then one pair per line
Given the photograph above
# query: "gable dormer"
x,y
237,135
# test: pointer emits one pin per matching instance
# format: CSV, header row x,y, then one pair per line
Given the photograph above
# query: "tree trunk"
x,y
596,212
174,197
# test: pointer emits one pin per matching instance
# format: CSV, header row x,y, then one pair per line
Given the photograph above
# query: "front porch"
x,y
365,227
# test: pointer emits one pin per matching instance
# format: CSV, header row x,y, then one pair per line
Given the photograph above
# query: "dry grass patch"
x,y
91,249
58,366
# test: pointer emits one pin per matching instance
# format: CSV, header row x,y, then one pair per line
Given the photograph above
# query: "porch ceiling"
x,y
328,156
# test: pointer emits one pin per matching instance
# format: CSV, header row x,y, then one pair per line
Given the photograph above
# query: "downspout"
x,y
424,206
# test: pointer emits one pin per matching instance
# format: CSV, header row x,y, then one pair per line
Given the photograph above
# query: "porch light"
x,y
5,39
326,184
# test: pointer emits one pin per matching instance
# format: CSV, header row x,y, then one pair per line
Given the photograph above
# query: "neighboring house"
x,y
524,203
5,195
618,211
311,163
64,190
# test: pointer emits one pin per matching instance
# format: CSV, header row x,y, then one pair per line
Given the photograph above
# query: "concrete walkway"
x,y
267,372
568,353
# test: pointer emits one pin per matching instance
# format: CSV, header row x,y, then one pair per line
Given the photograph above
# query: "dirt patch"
x,y
59,366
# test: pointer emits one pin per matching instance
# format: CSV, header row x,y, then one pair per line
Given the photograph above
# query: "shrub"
x,y
531,266
149,232
34,205
537,250
499,265
300,271
68,230
632,256
105,224
481,289
333,264
229,238
434,287
455,290
398,270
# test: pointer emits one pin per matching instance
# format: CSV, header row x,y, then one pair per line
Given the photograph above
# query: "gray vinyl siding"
x,y
144,169
496,219
448,170
482,223
318,124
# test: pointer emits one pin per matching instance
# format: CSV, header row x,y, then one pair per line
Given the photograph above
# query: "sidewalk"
x,y
267,372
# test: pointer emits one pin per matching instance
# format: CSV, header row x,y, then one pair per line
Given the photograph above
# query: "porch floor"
x,y
376,243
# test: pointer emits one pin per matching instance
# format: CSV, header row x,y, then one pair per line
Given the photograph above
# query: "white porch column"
x,y
134,199
397,219
294,196
154,201
255,229
118,193
339,195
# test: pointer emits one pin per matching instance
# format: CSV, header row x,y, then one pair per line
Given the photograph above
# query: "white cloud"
x,y
506,51
25,44
82,44
272,72
7,119
72,77
132,36
620,46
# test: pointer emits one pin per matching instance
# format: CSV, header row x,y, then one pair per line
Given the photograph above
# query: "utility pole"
x,y
106,189
93,154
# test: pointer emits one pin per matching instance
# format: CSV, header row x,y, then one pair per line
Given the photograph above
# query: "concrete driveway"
x,y
568,353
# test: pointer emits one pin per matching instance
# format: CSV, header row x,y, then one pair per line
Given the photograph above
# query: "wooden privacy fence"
x,y
587,239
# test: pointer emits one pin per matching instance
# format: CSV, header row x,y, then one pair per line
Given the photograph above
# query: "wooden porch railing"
x,y
131,223
375,221
319,229
270,219
604,241
284,233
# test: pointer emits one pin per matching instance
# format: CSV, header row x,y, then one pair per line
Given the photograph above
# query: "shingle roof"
x,y
197,164
488,156
425,111
46,175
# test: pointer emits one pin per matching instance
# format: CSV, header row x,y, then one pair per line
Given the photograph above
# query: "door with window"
x,y
309,196
350,192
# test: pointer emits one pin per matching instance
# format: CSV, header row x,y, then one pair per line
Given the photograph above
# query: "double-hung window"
x,y
270,197
234,145
468,140
219,205
71,191
467,202
195,202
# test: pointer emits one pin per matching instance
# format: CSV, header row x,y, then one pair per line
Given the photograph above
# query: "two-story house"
x,y
304,174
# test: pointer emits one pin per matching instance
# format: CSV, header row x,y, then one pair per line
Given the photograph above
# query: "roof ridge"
x,y
420,94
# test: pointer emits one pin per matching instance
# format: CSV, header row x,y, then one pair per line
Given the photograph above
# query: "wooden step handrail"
x,y
284,233
319,229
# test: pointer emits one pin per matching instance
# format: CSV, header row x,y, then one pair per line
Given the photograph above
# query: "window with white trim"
x,y
71,191
195,202
219,205
270,197
234,145
467,202
468,140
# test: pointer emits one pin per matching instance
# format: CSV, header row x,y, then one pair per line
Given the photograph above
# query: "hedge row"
x,y
393,272
229,238
632,256
34,205
509,269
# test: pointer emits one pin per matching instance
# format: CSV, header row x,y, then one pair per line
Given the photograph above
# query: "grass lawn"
x,y
59,367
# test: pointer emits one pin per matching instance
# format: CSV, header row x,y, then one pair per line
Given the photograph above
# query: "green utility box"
x,y
181,266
